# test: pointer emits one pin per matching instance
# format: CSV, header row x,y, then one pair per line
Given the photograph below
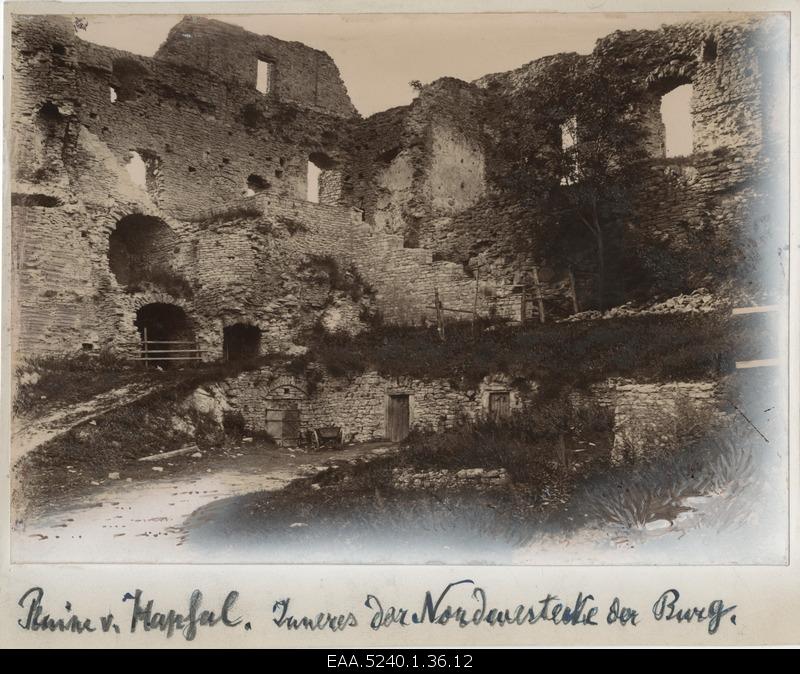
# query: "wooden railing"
x,y
158,351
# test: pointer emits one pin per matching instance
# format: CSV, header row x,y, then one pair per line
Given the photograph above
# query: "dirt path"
x,y
28,434
143,521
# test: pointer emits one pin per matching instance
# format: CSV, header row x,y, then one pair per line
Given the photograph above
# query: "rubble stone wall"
x,y
359,405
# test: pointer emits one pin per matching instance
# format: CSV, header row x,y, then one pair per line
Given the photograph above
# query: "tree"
x,y
600,162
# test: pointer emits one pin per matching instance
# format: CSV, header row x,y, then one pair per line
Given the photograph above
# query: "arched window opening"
x,y
323,181
241,342
256,184
569,138
166,334
137,169
676,116
139,250
49,120
129,76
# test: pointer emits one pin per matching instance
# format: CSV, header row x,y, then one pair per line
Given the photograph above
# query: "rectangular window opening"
x,y
265,76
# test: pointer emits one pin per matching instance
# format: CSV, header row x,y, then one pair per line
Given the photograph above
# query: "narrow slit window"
x,y
265,76
676,115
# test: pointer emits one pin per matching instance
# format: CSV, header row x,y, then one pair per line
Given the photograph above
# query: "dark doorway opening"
x,y
166,334
241,342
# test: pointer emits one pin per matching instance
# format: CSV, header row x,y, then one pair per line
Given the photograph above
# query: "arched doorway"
x,y
241,342
166,334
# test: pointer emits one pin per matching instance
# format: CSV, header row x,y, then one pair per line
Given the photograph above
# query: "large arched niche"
x,y
241,341
140,249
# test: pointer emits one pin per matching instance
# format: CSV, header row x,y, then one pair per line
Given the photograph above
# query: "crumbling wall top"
x,y
297,73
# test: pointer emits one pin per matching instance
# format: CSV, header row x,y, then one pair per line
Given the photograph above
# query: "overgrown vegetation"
x,y
565,355
47,381
561,478
51,382
292,226
165,279
343,279
153,424
229,214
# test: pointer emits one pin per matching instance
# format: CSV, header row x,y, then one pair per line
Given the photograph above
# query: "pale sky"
x,y
379,54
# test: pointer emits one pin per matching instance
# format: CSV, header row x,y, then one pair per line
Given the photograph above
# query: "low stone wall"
x,y
652,417
359,405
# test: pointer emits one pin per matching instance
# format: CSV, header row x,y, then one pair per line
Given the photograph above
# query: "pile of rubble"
x,y
700,301
476,478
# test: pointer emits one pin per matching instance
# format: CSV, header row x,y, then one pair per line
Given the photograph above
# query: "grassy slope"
x,y
646,347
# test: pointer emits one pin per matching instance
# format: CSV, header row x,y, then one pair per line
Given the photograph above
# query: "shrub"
x,y
234,423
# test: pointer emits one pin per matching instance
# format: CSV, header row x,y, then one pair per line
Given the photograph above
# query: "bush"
x,y
559,356
234,424
347,280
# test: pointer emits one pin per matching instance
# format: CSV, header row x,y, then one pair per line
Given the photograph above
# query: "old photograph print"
x,y
470,288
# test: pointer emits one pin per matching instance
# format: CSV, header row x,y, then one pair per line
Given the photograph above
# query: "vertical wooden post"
x,y
145,348
439,313
573,291
523,306
475,302
539,297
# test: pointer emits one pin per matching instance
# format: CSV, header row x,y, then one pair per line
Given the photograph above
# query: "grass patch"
x,y
153,424
51,382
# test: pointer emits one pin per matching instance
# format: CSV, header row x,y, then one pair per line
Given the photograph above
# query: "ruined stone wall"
x,y
51,296
204,134
690,218
419,161
79,111
253,263
422,198
648,416
358,405
651,416
300,74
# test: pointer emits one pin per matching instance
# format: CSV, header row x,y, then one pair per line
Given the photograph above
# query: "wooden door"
x,y
291,427
500,405
283,426
397,424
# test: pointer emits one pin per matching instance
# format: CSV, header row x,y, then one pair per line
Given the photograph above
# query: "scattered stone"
x,y
658,525
167,455
113,476
158,469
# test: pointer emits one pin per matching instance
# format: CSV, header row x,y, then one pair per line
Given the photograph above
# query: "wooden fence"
x,y
160,351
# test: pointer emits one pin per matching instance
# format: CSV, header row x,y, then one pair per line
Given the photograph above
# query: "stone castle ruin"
x,y
226,193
